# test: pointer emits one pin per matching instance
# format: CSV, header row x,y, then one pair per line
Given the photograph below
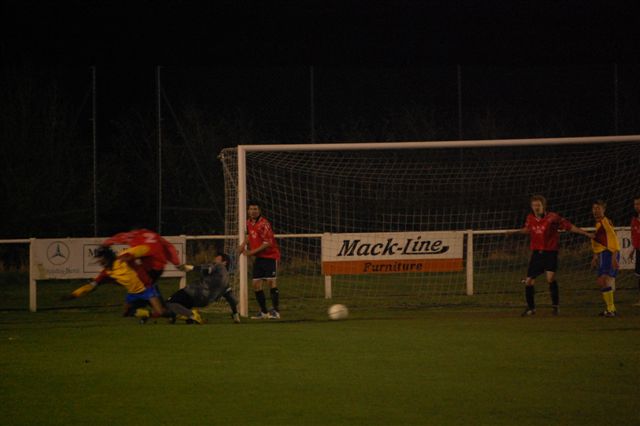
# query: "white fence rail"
x,y
623,235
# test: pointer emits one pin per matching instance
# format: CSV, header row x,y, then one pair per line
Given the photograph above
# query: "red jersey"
x,y
544,230
153,250
635,232
260,232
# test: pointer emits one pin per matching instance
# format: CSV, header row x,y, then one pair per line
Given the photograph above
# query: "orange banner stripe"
x,y
357,267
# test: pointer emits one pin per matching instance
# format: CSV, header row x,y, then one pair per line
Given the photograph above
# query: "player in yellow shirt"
x,y
131,276
606,256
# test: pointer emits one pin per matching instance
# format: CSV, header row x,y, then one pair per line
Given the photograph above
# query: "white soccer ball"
x,y
338,312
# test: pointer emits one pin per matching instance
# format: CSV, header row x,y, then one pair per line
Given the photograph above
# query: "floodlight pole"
x,y
459,75
159,119
312,105
615,99
94,150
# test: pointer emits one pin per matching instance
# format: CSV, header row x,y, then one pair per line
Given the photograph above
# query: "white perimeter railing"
x,y
469,269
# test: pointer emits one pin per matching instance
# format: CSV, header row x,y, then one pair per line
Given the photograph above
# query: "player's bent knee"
x,y
610,281
157,305
230,297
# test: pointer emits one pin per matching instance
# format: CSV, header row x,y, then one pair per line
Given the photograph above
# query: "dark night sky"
x,y
334,32
230,40
130,36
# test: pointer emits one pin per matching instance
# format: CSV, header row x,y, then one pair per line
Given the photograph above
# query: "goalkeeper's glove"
x,y
81,291
185,267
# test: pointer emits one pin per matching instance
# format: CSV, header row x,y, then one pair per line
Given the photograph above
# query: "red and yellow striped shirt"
x,y
606,238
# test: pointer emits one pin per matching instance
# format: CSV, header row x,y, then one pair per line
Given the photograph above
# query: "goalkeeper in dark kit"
x,y
212,284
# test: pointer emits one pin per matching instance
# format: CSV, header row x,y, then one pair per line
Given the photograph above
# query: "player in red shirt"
x,y
543,227
153,251
635,239
262,244
149,250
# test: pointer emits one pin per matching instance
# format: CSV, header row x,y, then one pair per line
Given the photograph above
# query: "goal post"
x,y
452,171
242,219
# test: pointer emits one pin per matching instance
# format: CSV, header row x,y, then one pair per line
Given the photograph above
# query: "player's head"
x,y
538,204
253,209
105,256
636,203
222,258
598,208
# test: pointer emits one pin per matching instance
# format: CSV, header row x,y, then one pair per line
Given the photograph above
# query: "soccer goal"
x,y
423,223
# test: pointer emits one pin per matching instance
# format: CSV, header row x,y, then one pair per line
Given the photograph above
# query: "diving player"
x,y
153,251
129,275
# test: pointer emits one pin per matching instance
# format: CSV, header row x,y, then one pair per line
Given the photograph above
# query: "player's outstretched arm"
x,y
581,231
81,291
523,230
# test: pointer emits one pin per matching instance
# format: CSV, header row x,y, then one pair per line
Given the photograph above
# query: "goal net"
x,y
368,226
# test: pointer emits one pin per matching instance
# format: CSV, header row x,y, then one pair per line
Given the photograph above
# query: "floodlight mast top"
x,y
242,180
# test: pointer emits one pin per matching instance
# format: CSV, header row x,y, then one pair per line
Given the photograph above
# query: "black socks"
x,y
275,298
261,301
530,293
555,293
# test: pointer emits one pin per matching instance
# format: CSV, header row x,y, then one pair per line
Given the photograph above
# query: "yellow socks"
x,y
607,296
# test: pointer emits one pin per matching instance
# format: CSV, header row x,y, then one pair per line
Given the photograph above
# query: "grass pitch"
x,y
390,367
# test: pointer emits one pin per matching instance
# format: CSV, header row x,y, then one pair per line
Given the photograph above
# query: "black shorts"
x,y
183,298
264,269
638,262
542,261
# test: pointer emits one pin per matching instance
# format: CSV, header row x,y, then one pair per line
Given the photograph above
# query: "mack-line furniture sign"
x,y
392,253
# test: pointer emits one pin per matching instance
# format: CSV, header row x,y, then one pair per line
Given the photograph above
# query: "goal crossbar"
x,y
478,143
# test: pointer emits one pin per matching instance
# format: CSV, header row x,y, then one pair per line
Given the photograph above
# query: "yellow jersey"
x,y
606,238
124,275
